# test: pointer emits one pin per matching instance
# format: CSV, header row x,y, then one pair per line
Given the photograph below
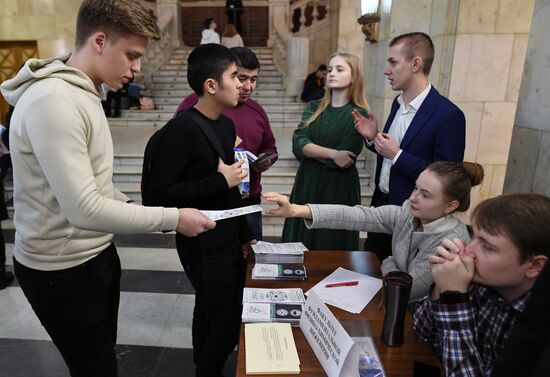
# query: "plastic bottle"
x,y
244,186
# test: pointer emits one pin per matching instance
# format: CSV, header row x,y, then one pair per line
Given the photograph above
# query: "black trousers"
x,y
379,243
217,272
78,307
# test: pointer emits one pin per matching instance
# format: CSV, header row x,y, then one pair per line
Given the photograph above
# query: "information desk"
x,y
397,361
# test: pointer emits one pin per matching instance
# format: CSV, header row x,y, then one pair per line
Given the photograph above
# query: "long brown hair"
x,y
230,30
356,92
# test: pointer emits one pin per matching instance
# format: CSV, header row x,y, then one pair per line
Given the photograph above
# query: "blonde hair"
x,y
116,17
356,92
230,30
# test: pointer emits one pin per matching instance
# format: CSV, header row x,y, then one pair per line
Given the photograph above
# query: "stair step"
x,y
166,115
263,60
282,101
274,176
181,93
183,80
183,85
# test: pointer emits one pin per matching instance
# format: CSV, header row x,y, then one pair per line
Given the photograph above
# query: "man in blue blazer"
x,y
423,127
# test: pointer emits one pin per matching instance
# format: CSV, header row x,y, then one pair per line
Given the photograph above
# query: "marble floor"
x,y
154,326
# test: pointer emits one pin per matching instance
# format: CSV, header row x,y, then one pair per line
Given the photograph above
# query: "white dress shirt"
x,y
403,118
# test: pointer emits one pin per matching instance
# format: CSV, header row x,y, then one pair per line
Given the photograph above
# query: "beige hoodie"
x,y
66,207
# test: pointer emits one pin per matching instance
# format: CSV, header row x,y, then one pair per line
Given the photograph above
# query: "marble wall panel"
x,y
473,113
67,6
385,19
24,7
41,27
49,48
485,78
522,159
43,8
411,15
441,71
14,28
514,16
496,132
516,67
541,178
460,68
497,180
477,16
533,104
8,8
65,25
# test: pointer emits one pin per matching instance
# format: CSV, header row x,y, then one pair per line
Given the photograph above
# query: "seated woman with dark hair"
x,y
418,226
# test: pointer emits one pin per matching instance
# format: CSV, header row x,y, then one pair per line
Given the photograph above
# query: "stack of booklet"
x,y
280,253
273,305
286,271
270,349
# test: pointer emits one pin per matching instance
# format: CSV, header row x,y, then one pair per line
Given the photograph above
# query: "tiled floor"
x,y
154,327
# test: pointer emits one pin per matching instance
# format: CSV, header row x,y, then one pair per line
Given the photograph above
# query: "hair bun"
x,y
475,171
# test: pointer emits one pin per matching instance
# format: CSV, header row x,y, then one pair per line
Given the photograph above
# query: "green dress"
x,y
324,182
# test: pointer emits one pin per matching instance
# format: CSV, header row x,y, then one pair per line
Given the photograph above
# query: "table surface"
x,y
397,361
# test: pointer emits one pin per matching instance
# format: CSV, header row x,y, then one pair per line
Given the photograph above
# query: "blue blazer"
x,y
436,133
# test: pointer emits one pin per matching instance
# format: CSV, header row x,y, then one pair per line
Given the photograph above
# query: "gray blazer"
x,y
410,248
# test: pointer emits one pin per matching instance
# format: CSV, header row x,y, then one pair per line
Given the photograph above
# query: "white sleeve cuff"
x,y
396,157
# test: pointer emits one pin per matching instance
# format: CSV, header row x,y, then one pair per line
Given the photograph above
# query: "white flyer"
x,y
234,212
275,295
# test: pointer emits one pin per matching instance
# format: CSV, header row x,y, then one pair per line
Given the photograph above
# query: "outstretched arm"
x,y
285,208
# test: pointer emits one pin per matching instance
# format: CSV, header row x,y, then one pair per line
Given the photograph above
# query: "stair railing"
x,y
307,16
290,53
160,51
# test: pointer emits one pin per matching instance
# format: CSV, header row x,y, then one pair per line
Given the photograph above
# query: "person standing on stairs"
x,y
252,127
66,206
327,144
209,34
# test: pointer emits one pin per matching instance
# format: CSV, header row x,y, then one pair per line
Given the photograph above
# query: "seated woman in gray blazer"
x,y
417,227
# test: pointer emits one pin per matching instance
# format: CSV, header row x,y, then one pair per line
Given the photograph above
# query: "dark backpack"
x,y
152,147
150,152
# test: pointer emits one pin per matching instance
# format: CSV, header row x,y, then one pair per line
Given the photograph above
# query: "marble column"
x,y
528,168
167,9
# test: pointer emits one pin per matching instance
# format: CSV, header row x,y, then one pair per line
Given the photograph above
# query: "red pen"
x,y
342,284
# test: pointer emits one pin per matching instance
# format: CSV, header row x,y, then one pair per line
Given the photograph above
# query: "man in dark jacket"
x,y
314,87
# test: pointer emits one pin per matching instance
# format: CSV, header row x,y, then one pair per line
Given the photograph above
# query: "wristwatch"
x,y
453,297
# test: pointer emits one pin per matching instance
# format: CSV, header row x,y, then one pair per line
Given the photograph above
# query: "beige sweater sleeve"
x,y
68,148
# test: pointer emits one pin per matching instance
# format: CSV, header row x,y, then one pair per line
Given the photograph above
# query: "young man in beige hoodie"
x,y
66,207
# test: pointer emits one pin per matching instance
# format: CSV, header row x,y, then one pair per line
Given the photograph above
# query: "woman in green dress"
x,y
327,144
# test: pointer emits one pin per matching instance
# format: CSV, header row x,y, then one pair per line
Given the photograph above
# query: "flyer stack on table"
x,y
282,261
273,305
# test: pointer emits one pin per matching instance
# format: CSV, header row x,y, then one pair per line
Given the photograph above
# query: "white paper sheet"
x,y
234,212
350,298
293,248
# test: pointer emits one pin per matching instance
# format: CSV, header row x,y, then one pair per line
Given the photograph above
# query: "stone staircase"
x,y
132,130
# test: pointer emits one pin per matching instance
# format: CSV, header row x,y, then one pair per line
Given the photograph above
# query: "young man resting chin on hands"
x,y
480,288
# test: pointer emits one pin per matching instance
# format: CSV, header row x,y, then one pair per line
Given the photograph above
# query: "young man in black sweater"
x,y
188,170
